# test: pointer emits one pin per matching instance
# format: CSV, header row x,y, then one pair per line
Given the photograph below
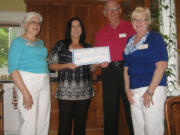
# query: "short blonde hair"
x,y
140,10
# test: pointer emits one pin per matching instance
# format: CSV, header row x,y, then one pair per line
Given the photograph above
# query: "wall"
x,y
11,116
178,31
12,11
12,5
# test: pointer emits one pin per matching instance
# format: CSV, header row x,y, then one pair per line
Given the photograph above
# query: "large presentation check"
x,y
86,56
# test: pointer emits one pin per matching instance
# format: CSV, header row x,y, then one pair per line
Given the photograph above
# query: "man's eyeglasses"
x,y
111,9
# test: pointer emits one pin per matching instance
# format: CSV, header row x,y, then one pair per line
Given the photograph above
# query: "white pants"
x,y
148,121
36,120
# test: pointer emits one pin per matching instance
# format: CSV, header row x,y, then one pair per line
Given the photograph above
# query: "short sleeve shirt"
x,y
27,56
115,38
141,63
72,84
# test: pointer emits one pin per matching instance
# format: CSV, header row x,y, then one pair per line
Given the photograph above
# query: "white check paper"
x,y
87,56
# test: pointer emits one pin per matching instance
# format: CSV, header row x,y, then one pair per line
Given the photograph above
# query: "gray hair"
x,y
27,17
140,10
105,5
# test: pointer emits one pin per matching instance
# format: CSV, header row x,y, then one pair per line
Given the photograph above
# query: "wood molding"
x,y
147,3
67,1
37,1
55,14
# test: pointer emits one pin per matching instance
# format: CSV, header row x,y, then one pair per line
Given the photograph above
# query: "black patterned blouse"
x,y
72,84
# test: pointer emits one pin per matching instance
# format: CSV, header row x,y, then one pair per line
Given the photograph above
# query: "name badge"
x,y
29,44
144,46
122,35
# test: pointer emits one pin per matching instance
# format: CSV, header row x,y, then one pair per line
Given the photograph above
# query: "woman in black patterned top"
x,y
75,88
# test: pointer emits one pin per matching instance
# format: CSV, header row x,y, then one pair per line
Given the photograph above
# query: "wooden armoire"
x,y
55,14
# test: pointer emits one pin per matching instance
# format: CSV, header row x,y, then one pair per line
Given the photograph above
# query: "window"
x,y
7,34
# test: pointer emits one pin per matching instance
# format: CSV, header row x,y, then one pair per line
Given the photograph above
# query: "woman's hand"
x,y
161,66
130,96
27,101
71,66
27,97
147,99
94,67
127,86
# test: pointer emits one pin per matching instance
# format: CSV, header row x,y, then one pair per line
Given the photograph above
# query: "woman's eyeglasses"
x,y
34,22
140,20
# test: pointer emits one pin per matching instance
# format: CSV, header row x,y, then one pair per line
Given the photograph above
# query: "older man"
x,y
114,35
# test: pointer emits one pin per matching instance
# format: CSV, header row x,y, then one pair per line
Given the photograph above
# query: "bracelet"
x,y
150,93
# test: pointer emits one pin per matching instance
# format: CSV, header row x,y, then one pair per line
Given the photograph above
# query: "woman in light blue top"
x,y
29,71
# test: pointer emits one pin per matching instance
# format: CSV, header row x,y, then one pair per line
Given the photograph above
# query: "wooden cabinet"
x,y
95,120
55,14
95,113
54,111
177,4
1,110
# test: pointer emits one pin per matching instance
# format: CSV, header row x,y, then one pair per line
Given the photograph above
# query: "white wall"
x,y
11,115
11,17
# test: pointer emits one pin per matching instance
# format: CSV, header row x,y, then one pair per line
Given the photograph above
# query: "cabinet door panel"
x,y
98,18
83,12
43,9
54,111
58,18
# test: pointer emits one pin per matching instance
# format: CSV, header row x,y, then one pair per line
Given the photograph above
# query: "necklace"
x,y
29,38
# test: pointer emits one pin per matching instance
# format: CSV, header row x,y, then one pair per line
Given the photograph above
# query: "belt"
x,y
116,64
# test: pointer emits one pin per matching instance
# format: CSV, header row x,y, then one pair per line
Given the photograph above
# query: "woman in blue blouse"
x,y
29,70
146,59
75,88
